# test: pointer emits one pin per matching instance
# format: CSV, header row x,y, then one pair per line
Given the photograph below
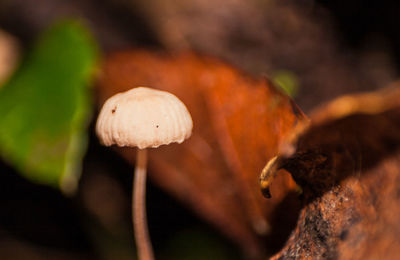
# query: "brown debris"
x,y
268,37
239,122
347,162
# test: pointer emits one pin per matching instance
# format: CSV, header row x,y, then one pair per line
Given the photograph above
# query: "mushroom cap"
x,y
143,117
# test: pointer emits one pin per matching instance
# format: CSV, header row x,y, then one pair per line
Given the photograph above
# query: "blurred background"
x,y
63,195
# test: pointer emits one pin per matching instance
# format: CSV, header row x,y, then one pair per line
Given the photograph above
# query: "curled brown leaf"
x,y
347,162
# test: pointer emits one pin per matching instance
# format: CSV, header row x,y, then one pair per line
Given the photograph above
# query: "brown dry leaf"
x,y
348,163
239,122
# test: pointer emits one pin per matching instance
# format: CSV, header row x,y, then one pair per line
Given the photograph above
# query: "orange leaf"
x,y
239,123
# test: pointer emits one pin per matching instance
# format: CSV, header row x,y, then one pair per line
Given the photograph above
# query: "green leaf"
x,y
45,107
287,81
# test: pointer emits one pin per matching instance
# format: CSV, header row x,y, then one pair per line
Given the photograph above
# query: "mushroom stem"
x,y
143,244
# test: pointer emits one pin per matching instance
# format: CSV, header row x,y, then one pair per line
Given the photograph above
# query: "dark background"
x,y
38,222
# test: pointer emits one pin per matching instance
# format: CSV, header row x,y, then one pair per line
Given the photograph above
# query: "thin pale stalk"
x,y
143,244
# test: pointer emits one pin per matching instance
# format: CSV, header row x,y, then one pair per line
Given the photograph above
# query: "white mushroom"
x,y
144,118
